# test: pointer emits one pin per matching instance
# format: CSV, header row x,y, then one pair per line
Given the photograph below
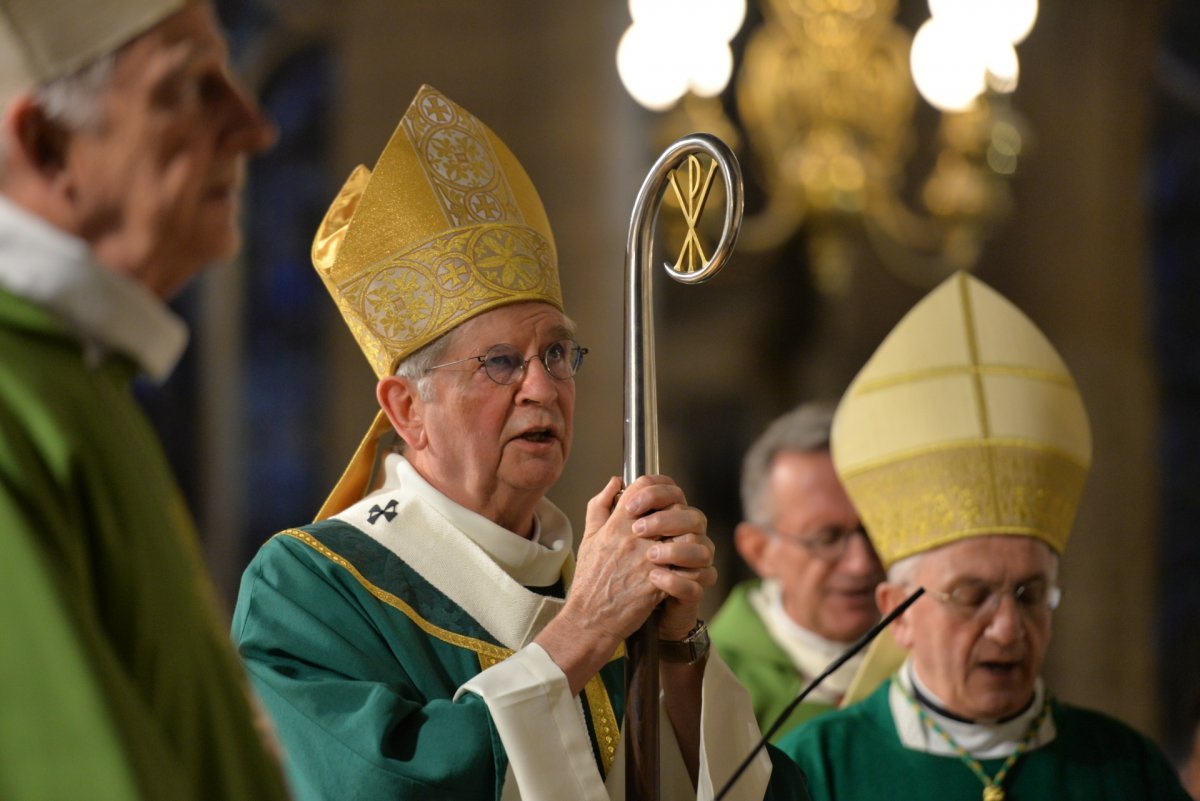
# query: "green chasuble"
x,y
855,755
763,668
117,681
359,658
393,650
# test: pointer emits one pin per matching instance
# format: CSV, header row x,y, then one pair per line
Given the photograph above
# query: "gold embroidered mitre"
x,y
965,422
446,227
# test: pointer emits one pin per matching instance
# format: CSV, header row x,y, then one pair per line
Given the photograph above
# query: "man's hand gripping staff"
x,y
641,547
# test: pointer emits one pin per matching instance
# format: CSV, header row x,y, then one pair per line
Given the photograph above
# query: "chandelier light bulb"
x,y
1003,69
652,74
1016,18
676,45
1011,20
947,9
711,69
657,14
723,18
948,65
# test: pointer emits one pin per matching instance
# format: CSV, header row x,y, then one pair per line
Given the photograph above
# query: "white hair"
x,y
74,102
904,571
415,366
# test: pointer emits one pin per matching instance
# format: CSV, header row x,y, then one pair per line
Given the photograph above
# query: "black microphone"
x,y
862,643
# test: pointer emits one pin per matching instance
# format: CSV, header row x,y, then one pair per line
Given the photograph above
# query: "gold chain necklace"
x,y
993,787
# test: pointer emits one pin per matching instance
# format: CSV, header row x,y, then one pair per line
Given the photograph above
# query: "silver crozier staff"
x,y
641,401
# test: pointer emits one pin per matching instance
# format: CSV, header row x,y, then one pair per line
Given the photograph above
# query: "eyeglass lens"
x,y
829,544
503,363
1031,597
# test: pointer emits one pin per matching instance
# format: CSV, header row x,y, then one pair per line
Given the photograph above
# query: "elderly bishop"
x,y
436,638
964,444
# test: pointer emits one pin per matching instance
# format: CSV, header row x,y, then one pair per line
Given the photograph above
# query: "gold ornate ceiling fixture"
x,y
827,95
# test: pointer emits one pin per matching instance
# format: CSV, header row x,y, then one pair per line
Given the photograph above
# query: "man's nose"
x,y
247,128
535,384
860,557
1007,624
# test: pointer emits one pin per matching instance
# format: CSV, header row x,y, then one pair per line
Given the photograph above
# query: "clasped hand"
x,y
640,548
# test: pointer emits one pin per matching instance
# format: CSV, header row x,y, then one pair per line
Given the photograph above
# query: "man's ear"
x,y
400,401
887,597
35,173
38,143
751,543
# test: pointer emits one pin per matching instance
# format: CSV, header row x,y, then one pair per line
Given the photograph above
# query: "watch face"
x,y
700,643
691,649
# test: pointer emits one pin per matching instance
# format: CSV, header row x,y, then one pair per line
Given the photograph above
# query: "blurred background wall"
x,y
1097,244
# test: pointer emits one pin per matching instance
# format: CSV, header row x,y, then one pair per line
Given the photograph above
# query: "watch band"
x,y
689,650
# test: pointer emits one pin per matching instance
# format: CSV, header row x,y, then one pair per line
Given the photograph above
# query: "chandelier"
x,y
831,125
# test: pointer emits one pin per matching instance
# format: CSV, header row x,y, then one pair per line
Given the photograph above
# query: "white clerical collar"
x,y
534,562
810,652
981,740
106,311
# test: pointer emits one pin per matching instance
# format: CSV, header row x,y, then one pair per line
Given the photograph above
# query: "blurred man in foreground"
x,y
816,591
964,444
435,638
123,144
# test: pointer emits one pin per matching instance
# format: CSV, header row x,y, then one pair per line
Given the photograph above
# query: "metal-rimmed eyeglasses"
x,y
1035,598
829,544
504,364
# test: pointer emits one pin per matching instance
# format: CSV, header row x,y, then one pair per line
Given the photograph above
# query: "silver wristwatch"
x,y
689,650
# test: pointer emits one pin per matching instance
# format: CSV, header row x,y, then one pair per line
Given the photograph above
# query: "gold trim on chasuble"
x,y
604,719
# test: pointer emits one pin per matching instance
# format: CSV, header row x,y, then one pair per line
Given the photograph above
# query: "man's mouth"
x,y
538,435
227,186
1000,669
856,593
222,192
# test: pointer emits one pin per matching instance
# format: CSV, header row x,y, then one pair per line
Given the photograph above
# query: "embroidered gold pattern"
x,y
604,720
461,165
953,445
487,661
946,494
417,295
445,228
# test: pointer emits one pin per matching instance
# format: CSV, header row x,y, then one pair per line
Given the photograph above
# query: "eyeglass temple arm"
x,y
862,643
